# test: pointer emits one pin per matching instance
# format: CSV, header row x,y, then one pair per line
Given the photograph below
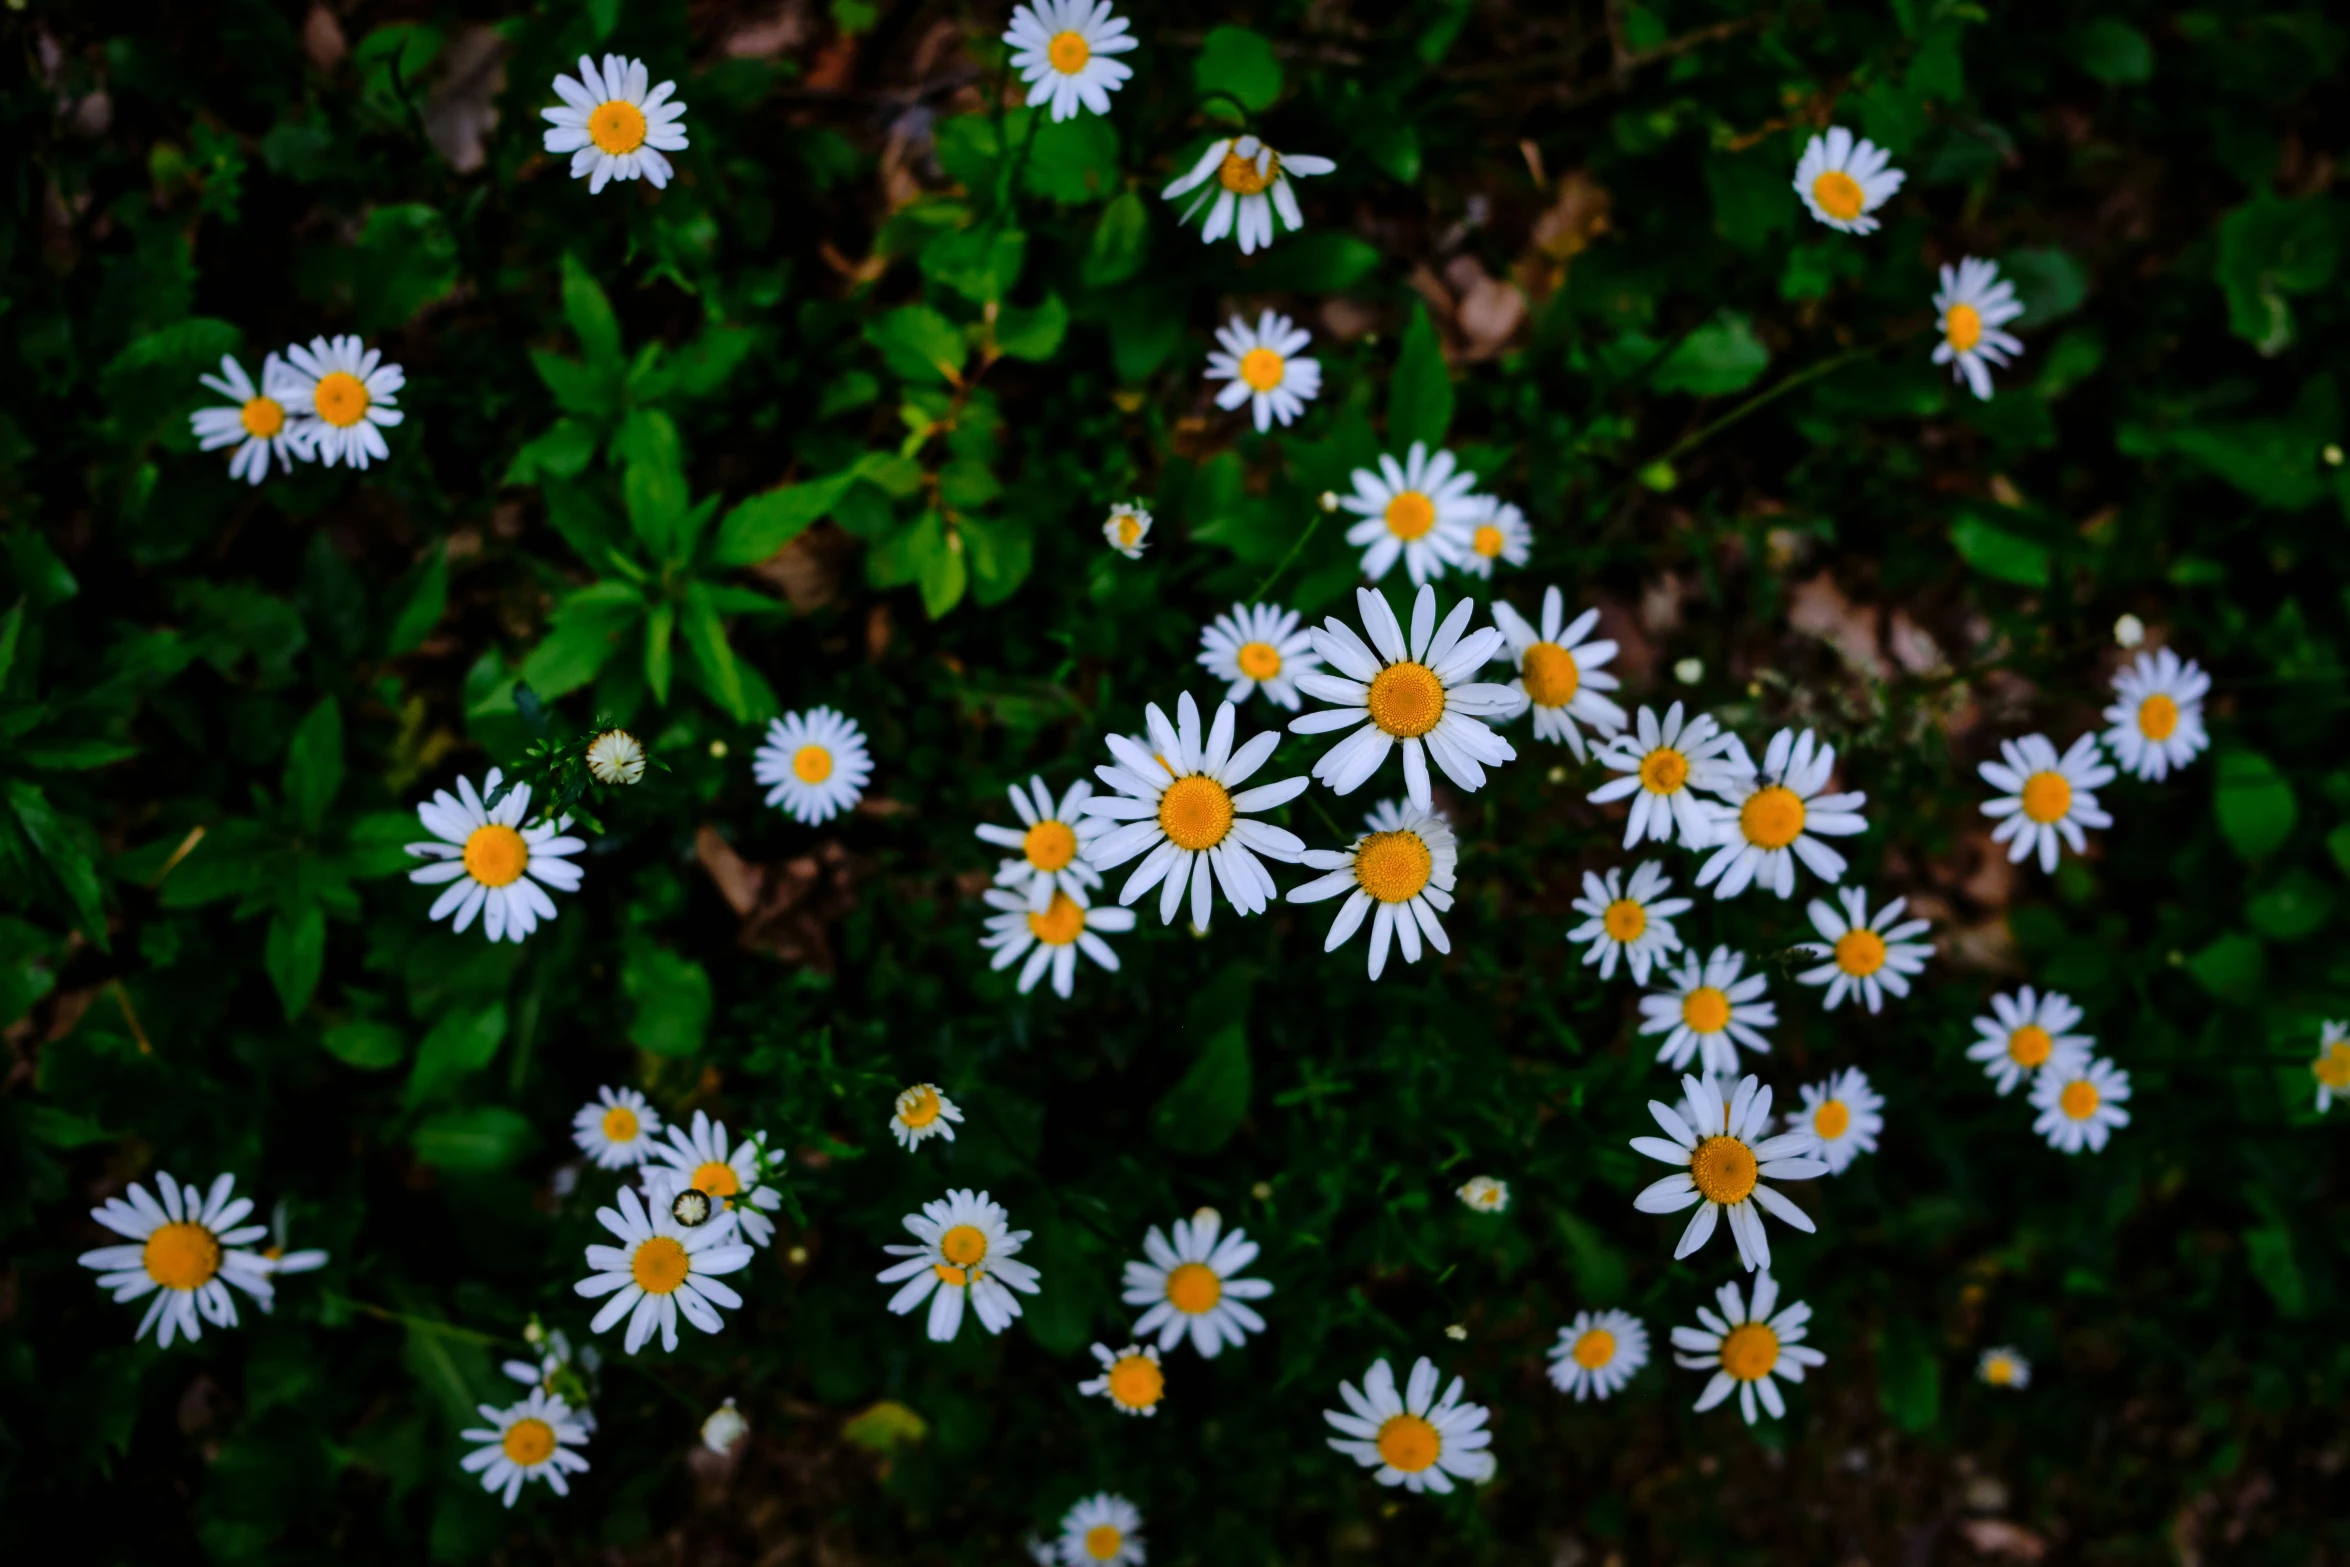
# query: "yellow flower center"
x,y
263,417
918,1107
965,1245
1831,1120
1962,327
617,127
1706,1009
1771,818
1068,53
1393,866
1839,195
1194,1288
2158,716
1136,1382
181,1256
2333,1067
1242,177
1663,771
495,855
952,1275
1551,675
1750,1352
716,1179
1409,1443
1860,952
1129,529
1625,920
528,1442
1258,660
2029,1045
2079,1099
1050,845
812,763
1103,1540
341,399
1406,699
659,1266
1060,923
1724,1170
1410,515
1487,540
620,1125
1196,812
1595,1349
1261,368
1999,1371
2047,796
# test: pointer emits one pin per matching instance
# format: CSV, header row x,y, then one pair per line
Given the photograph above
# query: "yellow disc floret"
x,y
1196,812
1409,1443
1136,1382
2029,1045
660,1266
1750,1351
262,417
2047,796
1258,660
181,1256
1406,700
812,764
1839,195
1663,771
1243,177
1595,1349
2158,717
1068,53
1831,1119
1393,866
620,1125
495,855
1724,1170
1410,515
1860,952
1193,1288
1551,675
617,127
528,1442
2079,1099
1060,923
1706,1009
341,399
1625,920
1050,846
1771,818
1262,369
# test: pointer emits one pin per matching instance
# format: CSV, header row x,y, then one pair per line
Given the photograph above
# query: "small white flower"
x,y
1190,1287
1597,1353
1262,367
965,1250
2128,631
2081,1108
536,1439
660,1271
1126,529
2044,798
1399,874
2029,1033
2004,1367
1051,840
1559,671
1971,307
1767,821
1051,940
256,424
1258,645
2332,1066
612,127
921,1113
341,397
1132,1379
1484,1194
724,1427
728,1172
1845,1114
493,864
1063,50
1724,1161
1843,180
2157,716
1867,957
1665,764
617,1130
187,1249
616,757
1632,922
1413,1439
1103,1530
1418,511
558,1373
1707,1010
1251,185
1746,1348
816,764
1500,534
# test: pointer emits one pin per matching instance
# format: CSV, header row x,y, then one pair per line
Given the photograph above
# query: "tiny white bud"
x,y
2129,631
724,1428
1689,671
616,757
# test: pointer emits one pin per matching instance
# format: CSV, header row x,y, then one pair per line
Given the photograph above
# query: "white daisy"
x,y
1597,1353
1843,180
2157,715
2004,1367
1632,922
1767,822
2043,796
341,397
619,1131
1746,1347
1189,1285
816,762
2080,1109
1704,1112
495,866
1413,1439
660,1270
256,423
1500,534
2028,1033
612,127
1132,1379
1484,1194
1867,956
1665,765
616,757
1559,673
187,1249
921,1113
1707,1010
1126,529
1400,874
1258,645
2332,1066
1261,364
1252,184
1051,841
723,1427
965,1250
1844,1113
1102,1529
1177,801
730,1173
557,1373
1972,305
1722,1170
1417,694
1063,50
1053,939
536,1439
1420,510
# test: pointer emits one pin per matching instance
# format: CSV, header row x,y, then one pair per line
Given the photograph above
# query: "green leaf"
x,y
294,953
1239,62
1720,357
459,1045
1319,261
314,765
1999,554
2233,968
966,484
418,600
590,314
2254,804
473,1140
1146,327
939,569
2270,249
671,995
703,367
11,626
582,635
981,264
653,486
2270,460
371,1047
919,344
1909,1380
28,967
75,877
56,1128
2295,907
1000,551
406,260
1419,397
2050,284
1074,162
760,526
2268,1251
577,389
705,639
2114,52
660,628
1206,1106
562,451
1032,334
154,377
1120,243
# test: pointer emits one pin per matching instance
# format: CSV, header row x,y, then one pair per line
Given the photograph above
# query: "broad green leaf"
x,y
59,1128
418,600
939,568
1236,61
1146,328
671,999
1206,1106
590,314
660,628
2295,907
1060,1319
1074,162
1000,551
294,953
1319,261
1999,554
2270,460
765,523
2114,52
459,1045
705,640
11,626
28,966
314,765
2269,250
705,365
2268,1251
981,264
1720,357
154,378
1121,241
370,1047
2233,968
406,259
474,1139
586,523
652,484
1033,334
562,451
2050,284
54,843
1420,397
582,635
578,389
918,343
1909,1380
2254,804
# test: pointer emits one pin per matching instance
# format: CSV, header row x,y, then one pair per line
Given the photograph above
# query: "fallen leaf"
x,y
463,108
1998,1537
787,909
1817,607
323,40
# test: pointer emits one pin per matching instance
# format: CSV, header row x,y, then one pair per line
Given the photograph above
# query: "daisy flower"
x,y
616,757
1413,1439
1972,305
2044,796
1258,645
1400,874
1419,511
817,763
1178,802
1867,956
1051,840
1189,1285
186,1250
1665,764
557,1373
731,1174
1102,1528
1746,1347
2026,1033
1844,1114
1126,529
1705,1113
1843,180
2157,715
256,423
1632,922
2080,1108
964,1250
1597,1353
1722,1171
1416,695
1132,1379
723,1427
1766,822
612,127
495,867
1484,1194
1063,50
2332,1066
341,397
537,1439
620,1131
1053,939
921,1113
659,1271
1252,184
1261,364
1708,1010
1501,536
1559,672
2004,1367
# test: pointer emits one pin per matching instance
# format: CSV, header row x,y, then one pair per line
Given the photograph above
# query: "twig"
x,y
424,1324
130,1018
